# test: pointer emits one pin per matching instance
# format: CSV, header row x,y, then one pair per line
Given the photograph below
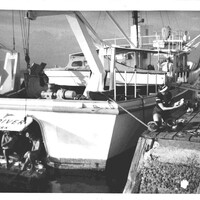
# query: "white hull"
x,y
80,129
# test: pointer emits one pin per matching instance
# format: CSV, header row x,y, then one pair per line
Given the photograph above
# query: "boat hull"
x,y
77,129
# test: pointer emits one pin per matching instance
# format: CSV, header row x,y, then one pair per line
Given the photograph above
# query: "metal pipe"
x,y
125,85
147,83
135,85
115,92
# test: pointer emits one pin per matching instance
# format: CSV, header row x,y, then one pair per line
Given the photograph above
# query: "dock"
x,y
168,160
188,131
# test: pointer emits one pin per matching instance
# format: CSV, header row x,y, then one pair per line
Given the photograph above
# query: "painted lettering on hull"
x,y
14,123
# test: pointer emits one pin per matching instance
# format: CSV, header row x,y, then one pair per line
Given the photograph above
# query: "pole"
x,y
135,22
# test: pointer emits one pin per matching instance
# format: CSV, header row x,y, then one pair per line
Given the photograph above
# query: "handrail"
x,y
135,83
147,84
115,89
156,83
174,38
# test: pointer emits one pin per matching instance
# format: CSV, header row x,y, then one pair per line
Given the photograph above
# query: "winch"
x,y
59,94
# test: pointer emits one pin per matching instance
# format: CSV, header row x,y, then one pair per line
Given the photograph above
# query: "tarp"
x,y
14,123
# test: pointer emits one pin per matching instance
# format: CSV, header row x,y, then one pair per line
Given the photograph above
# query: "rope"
x,y
22,30
161,18
129,22
175,17
168,18
96,26
127,111
13,27
25,30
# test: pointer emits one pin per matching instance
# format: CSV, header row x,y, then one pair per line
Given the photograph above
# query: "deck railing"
x,y
135,85
174,41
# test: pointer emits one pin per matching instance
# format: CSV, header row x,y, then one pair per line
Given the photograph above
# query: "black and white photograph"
x,y
100,99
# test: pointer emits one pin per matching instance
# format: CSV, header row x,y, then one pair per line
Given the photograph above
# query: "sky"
x,y
51,39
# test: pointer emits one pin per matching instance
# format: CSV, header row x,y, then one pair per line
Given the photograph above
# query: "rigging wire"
x,y
13,28
96,26
161,18
136,118
175,16
168,18
25,30
129,22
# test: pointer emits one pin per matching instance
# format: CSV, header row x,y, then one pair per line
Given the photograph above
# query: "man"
x,y
164,105
7,143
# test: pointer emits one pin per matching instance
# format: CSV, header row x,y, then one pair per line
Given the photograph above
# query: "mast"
x,y
135,37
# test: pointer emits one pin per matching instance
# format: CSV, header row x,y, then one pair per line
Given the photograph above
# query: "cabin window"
x,y
77,64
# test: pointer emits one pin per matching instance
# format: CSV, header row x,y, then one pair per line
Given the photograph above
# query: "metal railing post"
x,y
125,86
147,83
115,92
156,83
135,85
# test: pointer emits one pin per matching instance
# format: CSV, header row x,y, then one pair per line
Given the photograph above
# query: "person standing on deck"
x,y
164,105
7,143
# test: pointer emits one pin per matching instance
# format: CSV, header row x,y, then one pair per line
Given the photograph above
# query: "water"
x,y
53,180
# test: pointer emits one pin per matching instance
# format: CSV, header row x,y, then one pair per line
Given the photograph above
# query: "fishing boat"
x,y
91,113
